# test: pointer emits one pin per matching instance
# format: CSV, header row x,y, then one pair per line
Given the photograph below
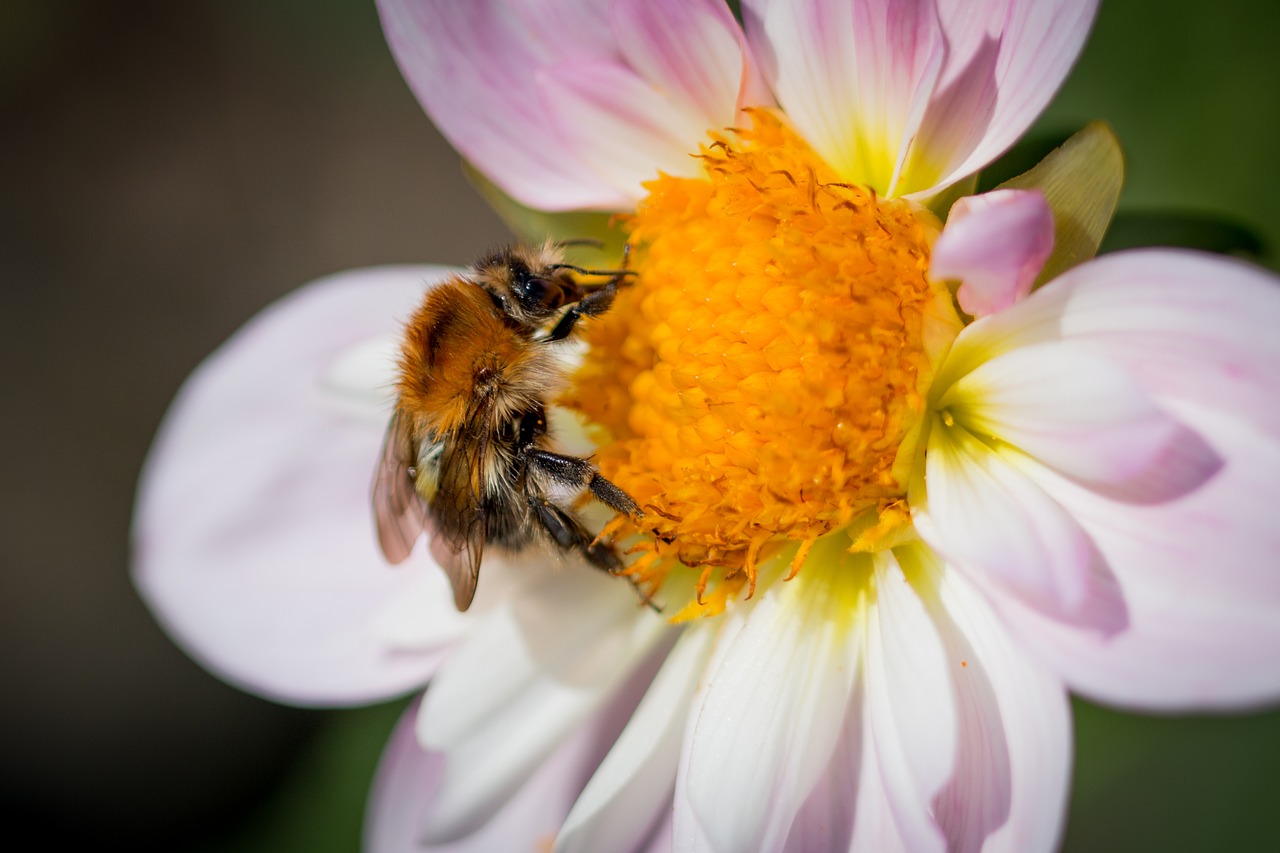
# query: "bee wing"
x,y
461,515
398,509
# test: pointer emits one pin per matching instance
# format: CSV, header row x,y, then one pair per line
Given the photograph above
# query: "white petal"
x,y
854,79
409,778
1013,767
875,829
1081,413
527,676
687,833
826,820
911,707
634,783
772,715
253,536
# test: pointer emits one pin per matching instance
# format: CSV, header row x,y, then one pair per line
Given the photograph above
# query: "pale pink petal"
x,y
1199,575
407,778
1005,61
1013,767
911,708
995,244
660,840
988,518
1082,414
410,778
782,687
522,680
636,129
1186,326
633,786
253,538
854,78
472,66
570,105
694,51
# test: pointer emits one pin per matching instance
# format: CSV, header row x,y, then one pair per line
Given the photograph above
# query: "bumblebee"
x,y
467,457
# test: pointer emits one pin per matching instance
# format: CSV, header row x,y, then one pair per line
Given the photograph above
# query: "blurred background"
x,y
167,170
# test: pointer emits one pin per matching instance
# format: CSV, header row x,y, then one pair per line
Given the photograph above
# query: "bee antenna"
x,y
580,241
582,271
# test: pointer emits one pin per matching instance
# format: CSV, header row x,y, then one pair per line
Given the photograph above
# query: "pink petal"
x,y
1082,414
781,685
1199,578
995,244
1190,327
694,51
660,840
1005,60
854,78
1009,790
409,778
988,518
638,129
472,66
912,725
570,105
1185,325
253,536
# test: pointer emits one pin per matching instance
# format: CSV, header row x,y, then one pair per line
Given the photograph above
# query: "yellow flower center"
x,y
762,381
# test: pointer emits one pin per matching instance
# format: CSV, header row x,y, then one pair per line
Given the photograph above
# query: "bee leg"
x,y
593,304
574,473
569,534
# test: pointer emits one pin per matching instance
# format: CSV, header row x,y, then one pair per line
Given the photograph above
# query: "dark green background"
x,y
168,169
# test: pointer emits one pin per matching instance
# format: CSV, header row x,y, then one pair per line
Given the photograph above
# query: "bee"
x,y
467,458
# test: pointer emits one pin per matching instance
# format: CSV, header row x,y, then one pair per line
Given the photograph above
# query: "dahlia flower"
x,y
905,483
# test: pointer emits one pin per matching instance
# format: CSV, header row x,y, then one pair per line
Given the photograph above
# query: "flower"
x,y
898,498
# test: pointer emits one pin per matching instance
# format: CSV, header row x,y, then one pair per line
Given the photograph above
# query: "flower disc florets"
x,y
760,379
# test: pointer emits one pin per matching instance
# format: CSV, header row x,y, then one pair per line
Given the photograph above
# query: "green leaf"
x,y
1022,157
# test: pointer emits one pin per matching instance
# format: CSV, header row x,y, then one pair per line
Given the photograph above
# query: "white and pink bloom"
x,y
920,498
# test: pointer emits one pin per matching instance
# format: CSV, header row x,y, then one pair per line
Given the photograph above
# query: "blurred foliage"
x,y
1174,783
1132,229
319,806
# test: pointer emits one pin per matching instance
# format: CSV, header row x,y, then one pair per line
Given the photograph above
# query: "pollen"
x,y
758,385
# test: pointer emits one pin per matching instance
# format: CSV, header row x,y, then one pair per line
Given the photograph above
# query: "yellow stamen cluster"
x,y
759,378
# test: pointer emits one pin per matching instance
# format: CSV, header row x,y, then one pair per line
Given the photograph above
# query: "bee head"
x,y
527,289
